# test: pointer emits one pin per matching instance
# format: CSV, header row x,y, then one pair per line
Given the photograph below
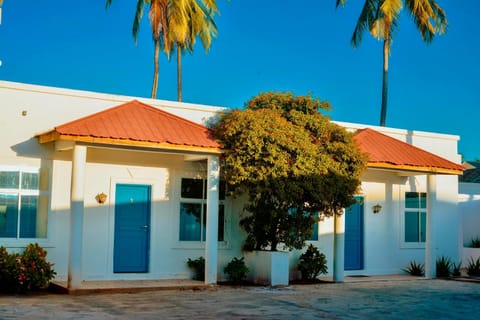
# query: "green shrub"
x,y
312,263
475,243
198,266
236,270
473,267
444,267
456,269
415,269
25,272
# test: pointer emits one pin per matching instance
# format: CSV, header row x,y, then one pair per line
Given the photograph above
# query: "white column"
x,y
339,247
79,160
430,241
211,245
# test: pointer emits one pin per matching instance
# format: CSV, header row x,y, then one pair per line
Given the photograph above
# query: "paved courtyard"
x,y
412,299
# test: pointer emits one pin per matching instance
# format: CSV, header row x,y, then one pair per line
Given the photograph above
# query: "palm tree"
x,y
380,18
158,19
195,18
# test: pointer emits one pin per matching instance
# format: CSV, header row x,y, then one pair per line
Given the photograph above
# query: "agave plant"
x,y
415,269
444,267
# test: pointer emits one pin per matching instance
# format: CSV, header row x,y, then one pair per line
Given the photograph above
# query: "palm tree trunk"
x,y
179,73
383,112
156,69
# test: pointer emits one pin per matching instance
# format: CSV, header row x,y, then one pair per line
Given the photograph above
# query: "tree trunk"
x,y
156,69
179,72
383,112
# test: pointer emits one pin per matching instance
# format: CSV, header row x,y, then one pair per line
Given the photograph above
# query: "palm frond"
x,y
137,19
428,16
365,22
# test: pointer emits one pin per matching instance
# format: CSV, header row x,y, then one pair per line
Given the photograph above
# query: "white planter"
x,y
468,254
268,267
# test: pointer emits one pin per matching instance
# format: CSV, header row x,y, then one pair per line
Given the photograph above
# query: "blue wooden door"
x,y
354,235
132,228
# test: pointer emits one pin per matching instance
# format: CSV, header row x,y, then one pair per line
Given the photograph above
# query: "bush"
x,y
312,263
444,267
475,243
198,266
415,269
25,272
473,268
236,270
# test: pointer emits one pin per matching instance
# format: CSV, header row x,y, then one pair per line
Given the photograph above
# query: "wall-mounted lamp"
x,y
377,208
101,198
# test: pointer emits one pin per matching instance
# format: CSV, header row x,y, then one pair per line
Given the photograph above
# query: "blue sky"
x,y
263,45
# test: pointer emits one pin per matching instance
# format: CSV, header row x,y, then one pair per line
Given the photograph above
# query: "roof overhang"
x,y
411,170
67,141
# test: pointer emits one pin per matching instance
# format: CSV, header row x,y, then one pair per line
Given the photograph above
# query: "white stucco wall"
x,y
469,207
384,252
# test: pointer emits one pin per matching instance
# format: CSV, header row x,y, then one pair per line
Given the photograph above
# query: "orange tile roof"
x,y
387,152
135,123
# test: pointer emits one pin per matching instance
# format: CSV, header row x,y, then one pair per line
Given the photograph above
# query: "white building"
x,y
74,165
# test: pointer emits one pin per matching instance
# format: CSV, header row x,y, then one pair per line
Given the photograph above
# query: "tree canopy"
x,y
292,162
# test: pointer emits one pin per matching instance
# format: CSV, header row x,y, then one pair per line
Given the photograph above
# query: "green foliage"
x,y
25,272
473,267
198,267
292,162
456,269
236,270
475,243
415,269
443,267
312,263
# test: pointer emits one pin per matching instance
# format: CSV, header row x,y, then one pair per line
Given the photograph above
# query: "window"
x,y
193,210
314,236
415,216
23,208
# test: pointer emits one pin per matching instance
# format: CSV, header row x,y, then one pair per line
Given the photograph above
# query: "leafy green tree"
x,y
291,162
380,18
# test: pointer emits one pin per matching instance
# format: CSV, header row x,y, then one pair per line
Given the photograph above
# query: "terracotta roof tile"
x,y
385,151
138,121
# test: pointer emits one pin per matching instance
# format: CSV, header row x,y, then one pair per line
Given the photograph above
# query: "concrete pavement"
x,y
413,299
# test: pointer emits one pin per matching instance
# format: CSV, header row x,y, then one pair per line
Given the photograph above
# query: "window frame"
x,y
403,212
19,191
203,203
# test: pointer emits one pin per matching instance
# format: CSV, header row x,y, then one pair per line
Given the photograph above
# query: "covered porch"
x,y
111,136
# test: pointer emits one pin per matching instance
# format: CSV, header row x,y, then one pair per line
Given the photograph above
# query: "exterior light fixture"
x,y
101,198
377,208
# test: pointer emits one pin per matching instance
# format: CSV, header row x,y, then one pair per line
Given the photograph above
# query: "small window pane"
x,y
423,200
28,216
190,221
314,236
9,179
29,181
411,200
192,188
423,224
221,222
8,215
411,226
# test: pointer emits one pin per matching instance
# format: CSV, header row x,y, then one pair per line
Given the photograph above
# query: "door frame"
x,y
111,216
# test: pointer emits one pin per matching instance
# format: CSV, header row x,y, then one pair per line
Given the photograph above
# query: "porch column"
x,y
79,160
430,241
211,245
339,247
